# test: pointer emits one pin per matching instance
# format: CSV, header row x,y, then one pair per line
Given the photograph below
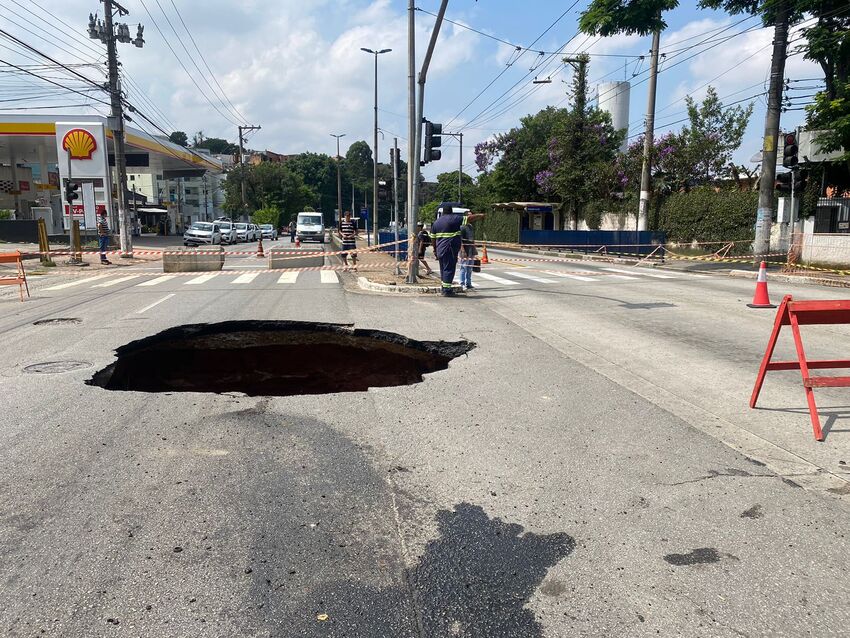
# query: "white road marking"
x,y
288,277
624,277
247,278
328,277
562,274
201,280
155,303
645,274
541,280
498,280
68,284
157,281
112,282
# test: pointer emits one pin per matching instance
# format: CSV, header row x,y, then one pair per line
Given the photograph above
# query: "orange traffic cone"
x,y
761,298
260,252
484,258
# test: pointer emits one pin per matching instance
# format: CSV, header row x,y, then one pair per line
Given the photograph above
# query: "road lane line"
x,y
624,277
76,283
246,278
577,277
495,279
645,274
107,284
201,280
540,280
328,277
157,281
288,277
155,303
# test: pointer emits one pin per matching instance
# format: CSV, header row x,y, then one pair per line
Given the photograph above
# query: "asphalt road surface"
x,y
591,468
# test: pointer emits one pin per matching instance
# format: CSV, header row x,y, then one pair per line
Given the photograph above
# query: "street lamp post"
x,y
376,53
338,181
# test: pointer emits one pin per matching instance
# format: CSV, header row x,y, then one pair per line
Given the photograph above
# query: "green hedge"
x,y
708,215
498,225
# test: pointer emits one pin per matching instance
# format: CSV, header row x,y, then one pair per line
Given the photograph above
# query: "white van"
x,y
310,227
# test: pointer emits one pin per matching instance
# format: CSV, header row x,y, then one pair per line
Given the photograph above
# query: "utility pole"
x,y
580,65
339,182
649,136
395,158
764,216
415,122
459,137
376,53
242,130
106,32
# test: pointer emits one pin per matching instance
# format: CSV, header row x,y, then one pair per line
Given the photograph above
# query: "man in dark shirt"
x,y
103,237
348,233
445,231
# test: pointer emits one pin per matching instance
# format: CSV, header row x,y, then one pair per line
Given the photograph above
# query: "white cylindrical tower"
x,y
613,97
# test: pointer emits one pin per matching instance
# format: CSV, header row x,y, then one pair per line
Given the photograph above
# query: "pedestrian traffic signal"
x,y
71,189
783,182
433,141
790,150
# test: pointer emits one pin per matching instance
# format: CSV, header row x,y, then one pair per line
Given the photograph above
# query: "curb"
x,y
793,279
625,261
365,284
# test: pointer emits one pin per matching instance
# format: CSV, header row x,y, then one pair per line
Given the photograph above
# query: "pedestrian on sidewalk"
x,y
292,228
348,233
103,237
423,240
446,233
468,252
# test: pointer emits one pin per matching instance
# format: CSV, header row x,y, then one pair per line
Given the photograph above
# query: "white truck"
x,y
309,226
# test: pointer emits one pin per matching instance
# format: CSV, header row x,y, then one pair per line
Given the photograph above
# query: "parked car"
x,y
202,233
269,231
228,233
310,226
243,232
255,232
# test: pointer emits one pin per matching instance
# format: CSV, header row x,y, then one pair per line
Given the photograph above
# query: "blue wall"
x,y
617,241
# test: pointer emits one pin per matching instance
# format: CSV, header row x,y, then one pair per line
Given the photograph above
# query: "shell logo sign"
x,y
79,143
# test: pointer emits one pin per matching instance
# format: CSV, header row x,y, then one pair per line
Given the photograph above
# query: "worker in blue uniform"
x,y
445,232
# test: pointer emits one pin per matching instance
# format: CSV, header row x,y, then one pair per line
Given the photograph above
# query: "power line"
x,y
177,57
52,82
203,59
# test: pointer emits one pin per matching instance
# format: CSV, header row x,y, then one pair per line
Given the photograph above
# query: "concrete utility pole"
x,y
116,117
242,130
764,216
395,158
459,137
376,53
338,181
415,124
649,136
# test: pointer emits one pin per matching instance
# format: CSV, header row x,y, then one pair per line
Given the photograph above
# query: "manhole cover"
x,y
44,322
274,358
54,367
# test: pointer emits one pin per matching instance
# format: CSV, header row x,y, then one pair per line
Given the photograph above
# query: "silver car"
x,y
202,233
228,233
244,232
269,231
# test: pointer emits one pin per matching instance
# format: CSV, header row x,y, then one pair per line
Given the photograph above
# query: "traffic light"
x,y
433,141
71,189
783,182
790,150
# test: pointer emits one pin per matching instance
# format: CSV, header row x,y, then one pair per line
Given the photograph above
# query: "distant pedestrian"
x,y
348,233
423,240
103,237
468,252
292,229
446,233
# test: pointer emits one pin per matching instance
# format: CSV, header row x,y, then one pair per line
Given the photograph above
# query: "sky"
x,y
295,68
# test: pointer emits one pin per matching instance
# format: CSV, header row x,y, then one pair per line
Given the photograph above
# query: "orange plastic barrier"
x,y
20,277
804,313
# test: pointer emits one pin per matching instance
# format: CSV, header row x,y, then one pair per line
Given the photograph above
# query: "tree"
x,y
179,137
215,145
712,136
268,215
611,17
359,164
267,185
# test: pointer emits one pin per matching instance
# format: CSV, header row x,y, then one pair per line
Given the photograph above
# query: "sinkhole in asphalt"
x,y
274,358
